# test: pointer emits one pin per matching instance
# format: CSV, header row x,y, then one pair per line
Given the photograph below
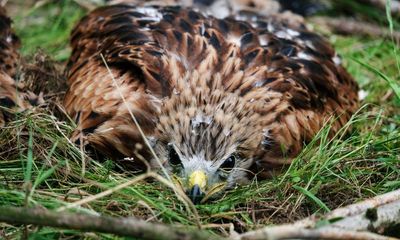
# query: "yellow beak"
x,y
198,178
197,185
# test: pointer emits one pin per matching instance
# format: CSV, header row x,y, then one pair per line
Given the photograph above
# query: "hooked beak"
x,y
197,185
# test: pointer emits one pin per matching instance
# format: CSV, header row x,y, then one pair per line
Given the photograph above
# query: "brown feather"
x,y
268,84
11,98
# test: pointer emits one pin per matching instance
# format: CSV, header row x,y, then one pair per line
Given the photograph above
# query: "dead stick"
x,y
130,227
394,5
349,26
293,232
87,5
373,219
384,208
351,222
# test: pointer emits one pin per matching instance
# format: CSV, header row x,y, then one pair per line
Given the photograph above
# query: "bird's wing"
x,y
305,85
10,97
101,95
150,50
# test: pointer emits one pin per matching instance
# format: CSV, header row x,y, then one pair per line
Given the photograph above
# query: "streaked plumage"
x,y
224,97
10,97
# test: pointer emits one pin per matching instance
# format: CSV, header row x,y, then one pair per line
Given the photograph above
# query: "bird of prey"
x,y
219,98
10,97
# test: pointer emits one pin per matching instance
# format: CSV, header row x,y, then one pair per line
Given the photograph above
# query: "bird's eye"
x,y
228,164
174,158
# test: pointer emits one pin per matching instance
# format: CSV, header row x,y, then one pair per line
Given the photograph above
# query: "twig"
x,y
348,26
350,222
381,4
370,213
130,227
105,193
87,5
292,232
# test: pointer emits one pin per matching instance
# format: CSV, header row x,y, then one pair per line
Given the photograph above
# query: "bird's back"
x,y
290,78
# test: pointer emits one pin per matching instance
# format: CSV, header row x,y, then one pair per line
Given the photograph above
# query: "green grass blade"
x,y
394,85
42,176
389,16
312,197
29,160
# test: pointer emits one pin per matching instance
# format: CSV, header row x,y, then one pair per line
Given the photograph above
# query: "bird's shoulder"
x,y
157,48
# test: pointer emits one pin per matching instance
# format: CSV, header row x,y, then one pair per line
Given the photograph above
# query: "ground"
x,y
39,166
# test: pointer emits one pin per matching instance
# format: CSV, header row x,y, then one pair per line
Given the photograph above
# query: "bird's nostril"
x,y
196,194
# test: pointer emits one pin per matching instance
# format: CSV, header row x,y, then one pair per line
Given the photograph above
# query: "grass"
x,y
47,27
39,166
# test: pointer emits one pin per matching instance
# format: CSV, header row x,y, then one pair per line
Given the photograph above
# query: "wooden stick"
x,y
293,232
372,212
394,5
87,5
130,227
350,222
348,26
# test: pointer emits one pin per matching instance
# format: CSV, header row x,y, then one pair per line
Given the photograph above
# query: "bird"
x,y
217,99
12,98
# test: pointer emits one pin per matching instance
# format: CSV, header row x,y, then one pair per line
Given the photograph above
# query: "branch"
x,y
381,4
350,222
369,214
292,232
130,227
88,4
348,26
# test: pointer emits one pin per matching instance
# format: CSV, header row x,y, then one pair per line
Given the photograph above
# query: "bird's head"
x,y
207,141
